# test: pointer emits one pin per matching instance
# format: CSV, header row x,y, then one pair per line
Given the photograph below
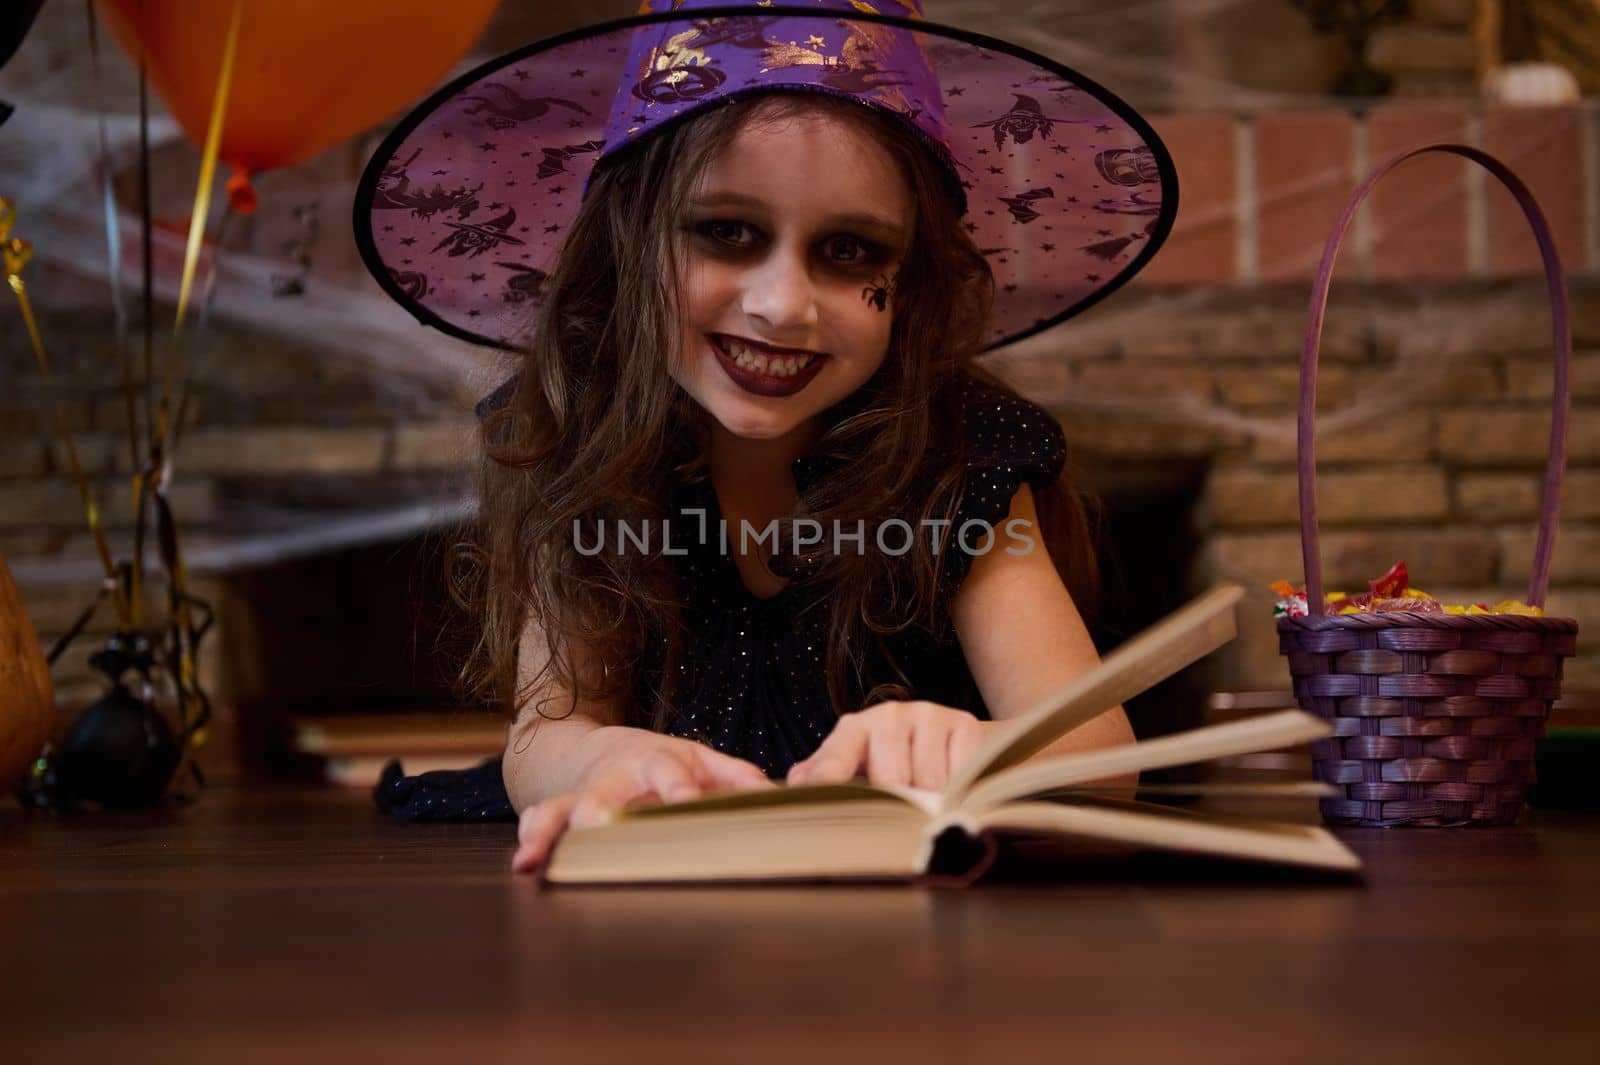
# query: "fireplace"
x,y
1150,545
363,630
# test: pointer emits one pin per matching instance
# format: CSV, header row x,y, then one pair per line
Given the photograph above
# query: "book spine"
x,y
958,862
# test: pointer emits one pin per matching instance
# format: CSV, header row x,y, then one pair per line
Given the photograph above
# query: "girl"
x,y
750,509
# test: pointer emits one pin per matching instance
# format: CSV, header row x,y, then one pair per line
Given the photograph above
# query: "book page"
x,y
782,795
1165,828
1264,733
1268,789
1188,634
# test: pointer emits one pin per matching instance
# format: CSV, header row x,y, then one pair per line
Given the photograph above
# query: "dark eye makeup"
x,y
731,236
722,231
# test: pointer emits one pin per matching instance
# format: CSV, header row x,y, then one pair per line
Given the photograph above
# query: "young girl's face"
x,y
792,242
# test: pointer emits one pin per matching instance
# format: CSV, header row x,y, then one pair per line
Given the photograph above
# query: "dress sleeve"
x,y
1010,442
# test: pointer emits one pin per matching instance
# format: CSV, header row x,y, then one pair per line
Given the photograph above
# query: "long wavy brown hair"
x,y
597,430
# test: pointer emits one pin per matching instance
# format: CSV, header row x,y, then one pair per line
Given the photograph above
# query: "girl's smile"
x,y
764,369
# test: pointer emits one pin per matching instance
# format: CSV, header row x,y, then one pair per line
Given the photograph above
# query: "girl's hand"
x,y
896,743
641,773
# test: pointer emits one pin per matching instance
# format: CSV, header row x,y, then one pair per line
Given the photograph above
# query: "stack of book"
x,y
356,747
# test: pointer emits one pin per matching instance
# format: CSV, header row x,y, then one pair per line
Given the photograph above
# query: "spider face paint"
x,y
880,291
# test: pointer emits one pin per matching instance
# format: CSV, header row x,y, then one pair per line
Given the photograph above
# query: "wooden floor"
x,y
301,925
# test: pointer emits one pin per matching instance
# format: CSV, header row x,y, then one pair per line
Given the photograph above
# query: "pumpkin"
x,y
27,700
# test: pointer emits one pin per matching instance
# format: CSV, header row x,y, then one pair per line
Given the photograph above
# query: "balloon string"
x,y
17,252
208,166
158,471
77,627
160,453
141,477
108,199
207,298
193,707
208,291
91,512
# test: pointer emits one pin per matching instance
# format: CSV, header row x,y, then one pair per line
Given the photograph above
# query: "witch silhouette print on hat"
x,y
463,210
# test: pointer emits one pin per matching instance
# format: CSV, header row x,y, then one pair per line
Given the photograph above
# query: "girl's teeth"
x,y
783,366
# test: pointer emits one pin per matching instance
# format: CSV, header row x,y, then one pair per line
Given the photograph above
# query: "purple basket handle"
x,y
1310,537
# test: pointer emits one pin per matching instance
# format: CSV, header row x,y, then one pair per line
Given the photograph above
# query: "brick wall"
x,y
1259,193
1430,448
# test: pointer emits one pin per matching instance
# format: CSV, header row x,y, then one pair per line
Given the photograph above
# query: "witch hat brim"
x,y
463,210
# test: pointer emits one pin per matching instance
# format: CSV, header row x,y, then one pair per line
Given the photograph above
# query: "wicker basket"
x,y
1435,716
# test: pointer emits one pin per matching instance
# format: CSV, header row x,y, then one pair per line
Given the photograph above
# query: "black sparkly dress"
x,y
755,665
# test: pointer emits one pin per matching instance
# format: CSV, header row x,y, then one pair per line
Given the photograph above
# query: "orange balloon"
x,y
306,73
27,703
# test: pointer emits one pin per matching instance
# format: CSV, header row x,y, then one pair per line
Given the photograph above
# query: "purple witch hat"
x,y
462,211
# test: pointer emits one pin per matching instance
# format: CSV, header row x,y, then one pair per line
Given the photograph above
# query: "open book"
x,y
859,831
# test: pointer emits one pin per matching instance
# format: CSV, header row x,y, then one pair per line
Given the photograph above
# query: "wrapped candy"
x,y
1390,593
1290,602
